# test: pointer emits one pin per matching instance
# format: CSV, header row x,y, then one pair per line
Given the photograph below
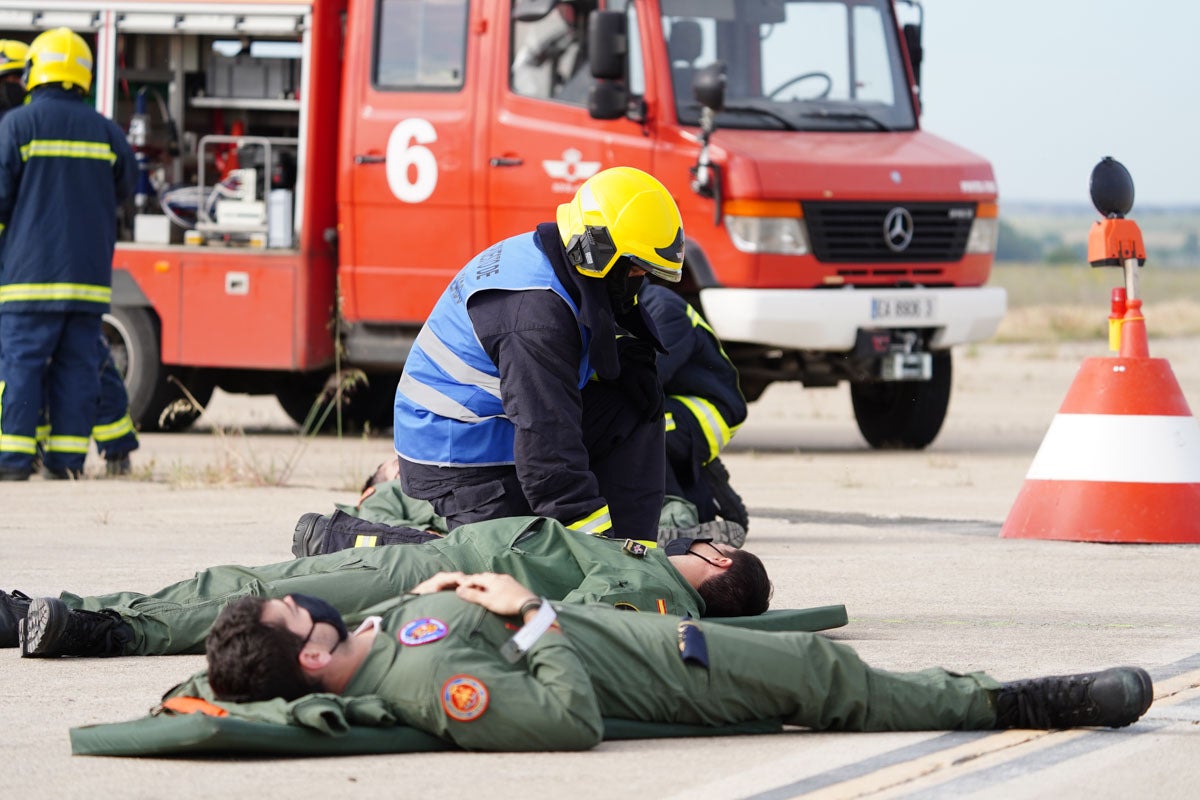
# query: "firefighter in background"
x,y
55,255
520,397
13,55
704,407
113,430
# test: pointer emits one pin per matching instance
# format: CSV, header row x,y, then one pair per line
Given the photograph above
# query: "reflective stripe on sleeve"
x,y
595,523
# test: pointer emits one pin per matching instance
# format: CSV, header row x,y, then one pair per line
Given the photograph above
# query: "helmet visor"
x,y
670,275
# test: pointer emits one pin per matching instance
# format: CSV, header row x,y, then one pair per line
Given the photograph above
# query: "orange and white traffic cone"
x,y
1120,462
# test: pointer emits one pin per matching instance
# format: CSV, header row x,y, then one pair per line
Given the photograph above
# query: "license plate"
x,y
903,308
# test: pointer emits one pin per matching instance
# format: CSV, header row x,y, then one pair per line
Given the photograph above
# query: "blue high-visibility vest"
x,y
448,410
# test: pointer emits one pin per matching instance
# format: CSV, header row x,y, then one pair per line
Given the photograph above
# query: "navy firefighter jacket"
x,y
64,169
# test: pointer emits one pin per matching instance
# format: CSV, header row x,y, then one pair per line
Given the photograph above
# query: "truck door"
x,y
542,144
405,163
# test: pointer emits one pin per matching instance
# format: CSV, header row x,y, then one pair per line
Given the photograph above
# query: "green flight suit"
x,y
391,506
602,663
539,552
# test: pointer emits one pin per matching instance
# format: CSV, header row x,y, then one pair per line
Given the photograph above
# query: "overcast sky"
x,y
1045,88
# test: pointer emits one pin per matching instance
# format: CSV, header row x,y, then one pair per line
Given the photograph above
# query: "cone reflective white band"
x,y
1119,449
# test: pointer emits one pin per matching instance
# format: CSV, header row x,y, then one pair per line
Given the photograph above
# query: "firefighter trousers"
x,y
49,361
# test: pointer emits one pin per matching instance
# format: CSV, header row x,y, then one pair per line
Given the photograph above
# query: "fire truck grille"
x,y
860,233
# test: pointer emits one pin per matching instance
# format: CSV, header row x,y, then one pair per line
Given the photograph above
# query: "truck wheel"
x,y
133,339
903,415
369,405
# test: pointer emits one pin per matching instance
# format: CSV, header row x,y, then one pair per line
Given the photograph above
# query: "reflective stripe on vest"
x,y
448,409
67,148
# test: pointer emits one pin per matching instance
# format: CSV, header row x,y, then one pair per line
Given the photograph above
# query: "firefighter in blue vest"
x,y
704,407
64,168
532,387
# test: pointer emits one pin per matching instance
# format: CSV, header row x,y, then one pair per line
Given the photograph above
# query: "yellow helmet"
x,y
13,55
59,56
623,212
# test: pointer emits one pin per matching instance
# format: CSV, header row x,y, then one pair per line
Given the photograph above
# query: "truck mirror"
x,y
532,10
912,40
608,44
709,86
607,100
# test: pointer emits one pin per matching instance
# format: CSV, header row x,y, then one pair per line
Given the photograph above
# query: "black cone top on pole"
x,y
1112,188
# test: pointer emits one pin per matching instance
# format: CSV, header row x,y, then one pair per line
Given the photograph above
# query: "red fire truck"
x,y
313,172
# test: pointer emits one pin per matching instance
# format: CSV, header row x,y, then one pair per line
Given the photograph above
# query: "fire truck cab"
x,y
313,173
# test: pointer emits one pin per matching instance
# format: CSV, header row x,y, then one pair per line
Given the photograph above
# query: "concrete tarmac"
x,y
908,541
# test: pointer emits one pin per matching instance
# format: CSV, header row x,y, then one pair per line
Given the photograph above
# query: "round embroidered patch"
x,y
464,698
422,631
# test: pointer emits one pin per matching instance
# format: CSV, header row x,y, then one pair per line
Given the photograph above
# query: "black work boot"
x,y
51,629
1114,698
309,537
64,474
730,505
12,610
118,466
15,473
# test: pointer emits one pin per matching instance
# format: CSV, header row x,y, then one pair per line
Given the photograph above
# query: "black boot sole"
x,y
43,624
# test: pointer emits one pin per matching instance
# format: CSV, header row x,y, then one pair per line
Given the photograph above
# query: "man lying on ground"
x,y
456,665
688,578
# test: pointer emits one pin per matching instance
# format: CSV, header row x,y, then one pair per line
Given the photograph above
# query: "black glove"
x,y
639,376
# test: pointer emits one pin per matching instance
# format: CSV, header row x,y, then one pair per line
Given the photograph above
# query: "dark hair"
x,y
249,660
743,590
380,475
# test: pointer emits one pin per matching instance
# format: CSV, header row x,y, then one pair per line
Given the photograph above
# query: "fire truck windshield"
x,y
792,64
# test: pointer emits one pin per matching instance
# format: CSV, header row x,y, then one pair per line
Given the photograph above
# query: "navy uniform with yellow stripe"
x,y
704,403
64,168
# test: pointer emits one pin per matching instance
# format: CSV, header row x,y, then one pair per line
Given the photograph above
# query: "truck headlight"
x,y
783,235
982,238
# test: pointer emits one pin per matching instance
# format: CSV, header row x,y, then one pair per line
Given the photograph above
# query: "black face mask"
x,y
11,95
622,288
321,611
680,547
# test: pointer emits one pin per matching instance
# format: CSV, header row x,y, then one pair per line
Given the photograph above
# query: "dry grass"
x,y
1072,303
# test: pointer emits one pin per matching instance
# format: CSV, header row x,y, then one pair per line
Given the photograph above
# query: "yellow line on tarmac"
x,y
956,762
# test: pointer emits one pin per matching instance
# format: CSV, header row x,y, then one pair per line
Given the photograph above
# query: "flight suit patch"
x,y
635,549
422,631
464,698
692,647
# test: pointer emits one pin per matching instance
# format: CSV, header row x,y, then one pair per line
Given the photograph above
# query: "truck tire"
x,y
133,338
371,405
903,415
